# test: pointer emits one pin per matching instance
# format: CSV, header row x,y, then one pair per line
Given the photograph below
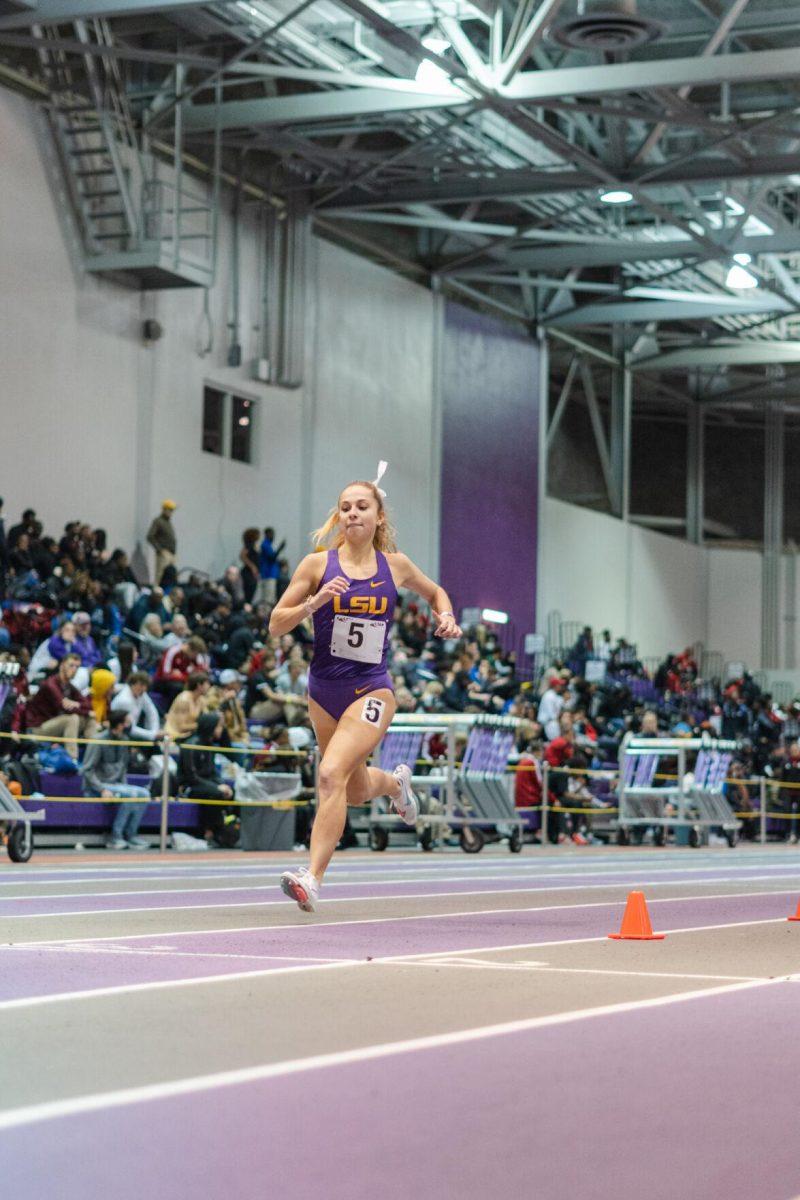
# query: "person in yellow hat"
x,y
161,536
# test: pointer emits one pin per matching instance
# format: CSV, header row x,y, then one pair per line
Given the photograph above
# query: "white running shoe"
x,y
301,886
406,805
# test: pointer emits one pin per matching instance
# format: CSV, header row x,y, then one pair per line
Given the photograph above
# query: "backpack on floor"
x,y
24,775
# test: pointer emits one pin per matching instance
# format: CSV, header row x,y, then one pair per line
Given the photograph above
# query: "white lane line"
x,y
170,952
327,965
779,876
413,959
477,912
253,887
335,883
392,876
123,1097
130,989
489,964
411,860
170,908
341,871
527,869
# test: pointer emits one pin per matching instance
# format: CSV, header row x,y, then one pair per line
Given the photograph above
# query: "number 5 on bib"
x,y
373,710
358,640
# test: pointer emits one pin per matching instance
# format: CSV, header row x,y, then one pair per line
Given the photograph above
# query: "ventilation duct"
x,y
606,26
285,297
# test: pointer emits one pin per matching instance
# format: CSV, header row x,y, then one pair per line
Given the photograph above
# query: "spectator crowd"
x,y
88,650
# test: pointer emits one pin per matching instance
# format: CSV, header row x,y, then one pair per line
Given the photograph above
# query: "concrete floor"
x,y
445,1025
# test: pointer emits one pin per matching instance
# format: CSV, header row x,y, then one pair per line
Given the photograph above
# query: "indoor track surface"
x,y
444,1026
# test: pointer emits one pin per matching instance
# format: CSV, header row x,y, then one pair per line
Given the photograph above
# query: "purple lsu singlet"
x,y
351,633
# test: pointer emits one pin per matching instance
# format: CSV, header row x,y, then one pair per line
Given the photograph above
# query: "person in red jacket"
x,y
528,779
561,748
177,663
59,709
558,753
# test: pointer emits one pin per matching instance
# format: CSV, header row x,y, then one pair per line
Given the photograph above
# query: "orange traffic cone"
x,y
636,922
796,916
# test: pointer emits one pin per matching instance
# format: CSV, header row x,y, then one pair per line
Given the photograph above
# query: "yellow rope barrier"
x,y
51,739
566,809
154,800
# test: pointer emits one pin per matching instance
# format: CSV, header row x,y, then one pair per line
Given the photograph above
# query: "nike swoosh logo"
x,y
360,690
378,584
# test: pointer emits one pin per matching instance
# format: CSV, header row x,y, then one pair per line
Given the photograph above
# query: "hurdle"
x,y
691,805
471,797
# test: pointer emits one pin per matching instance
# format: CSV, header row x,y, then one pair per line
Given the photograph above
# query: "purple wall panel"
x,y
490,448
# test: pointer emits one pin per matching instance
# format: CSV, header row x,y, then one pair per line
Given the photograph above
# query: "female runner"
x,y
351,592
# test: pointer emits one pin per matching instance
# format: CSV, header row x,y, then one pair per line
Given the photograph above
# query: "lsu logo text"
x,y
367,606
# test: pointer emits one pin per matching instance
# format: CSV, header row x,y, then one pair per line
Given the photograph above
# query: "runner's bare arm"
x,y
291,608
407,574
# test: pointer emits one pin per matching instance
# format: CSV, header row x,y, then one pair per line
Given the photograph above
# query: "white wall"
x,y
370,376
661,592
68,355
597,570
218,497
583,571
734,604
103,427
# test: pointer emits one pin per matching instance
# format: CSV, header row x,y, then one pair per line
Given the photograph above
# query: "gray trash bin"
x,y
265,828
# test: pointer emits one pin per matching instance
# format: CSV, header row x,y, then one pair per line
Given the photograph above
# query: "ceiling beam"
x,y
726,24
541,281
745,353
584,347
527,183
530,37
433,219
62,12
532,86
616,254
607,78
697,308
183,98
24,41
315,106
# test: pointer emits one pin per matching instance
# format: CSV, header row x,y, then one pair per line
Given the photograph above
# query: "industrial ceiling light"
x,y
429,75
738,278
616,196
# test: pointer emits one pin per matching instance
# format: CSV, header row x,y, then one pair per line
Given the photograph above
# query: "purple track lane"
x,y
620,1099
50,969
642,1095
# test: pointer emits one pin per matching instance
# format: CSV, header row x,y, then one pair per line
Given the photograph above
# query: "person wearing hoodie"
x,y
101,688
197,773
84,644
105,769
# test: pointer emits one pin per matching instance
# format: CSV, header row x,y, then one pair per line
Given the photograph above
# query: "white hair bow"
x,y
381,472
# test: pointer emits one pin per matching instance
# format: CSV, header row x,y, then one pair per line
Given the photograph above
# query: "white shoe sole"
x,y
410,809
292,888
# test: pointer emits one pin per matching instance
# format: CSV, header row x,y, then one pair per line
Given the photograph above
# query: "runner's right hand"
x,y
334,587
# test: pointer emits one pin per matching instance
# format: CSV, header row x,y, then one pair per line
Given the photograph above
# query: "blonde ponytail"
x,y
329,536
321,537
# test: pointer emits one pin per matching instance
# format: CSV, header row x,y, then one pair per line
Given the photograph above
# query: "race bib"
x,y
372,710
358,640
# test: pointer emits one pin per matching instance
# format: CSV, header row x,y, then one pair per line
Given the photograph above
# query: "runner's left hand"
x,y
446,626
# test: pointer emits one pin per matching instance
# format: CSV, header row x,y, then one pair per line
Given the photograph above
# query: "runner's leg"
x,y
355,737
366,783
